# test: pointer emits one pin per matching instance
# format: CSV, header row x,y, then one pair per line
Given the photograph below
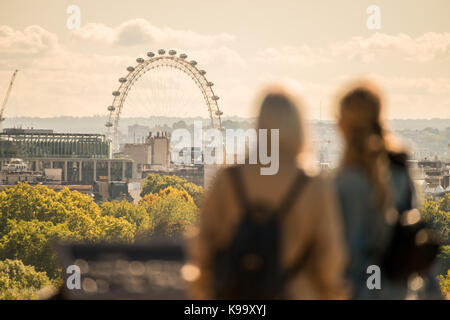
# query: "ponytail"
x,y
365,141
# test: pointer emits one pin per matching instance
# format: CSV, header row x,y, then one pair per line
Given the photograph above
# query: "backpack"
x,y
250,266
413,247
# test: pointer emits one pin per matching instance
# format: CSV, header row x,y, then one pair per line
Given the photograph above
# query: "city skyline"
x,y
313,48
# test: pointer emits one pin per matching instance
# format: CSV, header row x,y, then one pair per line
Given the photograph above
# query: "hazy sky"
x,y
313,47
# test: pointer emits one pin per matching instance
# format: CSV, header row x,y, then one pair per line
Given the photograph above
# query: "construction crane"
x,y
5,100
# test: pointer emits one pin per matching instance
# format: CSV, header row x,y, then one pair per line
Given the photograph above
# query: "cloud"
x,y
141,32
430,46
426,47
303,55
31,41
399,84
75,77
222,57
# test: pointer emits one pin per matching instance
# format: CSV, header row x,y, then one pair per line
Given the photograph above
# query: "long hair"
x,y
280,108
365,139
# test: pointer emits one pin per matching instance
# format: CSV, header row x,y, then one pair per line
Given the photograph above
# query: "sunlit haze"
x,y
313,47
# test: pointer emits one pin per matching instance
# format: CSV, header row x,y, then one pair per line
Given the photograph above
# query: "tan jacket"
x,y
312,219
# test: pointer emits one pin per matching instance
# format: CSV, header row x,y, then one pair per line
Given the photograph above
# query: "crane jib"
x,y
8,92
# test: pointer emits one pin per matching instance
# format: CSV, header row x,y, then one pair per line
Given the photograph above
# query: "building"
x,y
436,172
82,158
138,133
432,176
155,151
12,178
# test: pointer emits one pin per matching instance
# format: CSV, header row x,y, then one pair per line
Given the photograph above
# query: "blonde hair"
x,y
280,109
360,110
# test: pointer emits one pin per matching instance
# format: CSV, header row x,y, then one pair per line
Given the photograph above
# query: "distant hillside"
x,y
96,124
419,124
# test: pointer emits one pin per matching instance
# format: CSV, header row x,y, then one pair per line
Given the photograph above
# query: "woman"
x,y
373,185
311,224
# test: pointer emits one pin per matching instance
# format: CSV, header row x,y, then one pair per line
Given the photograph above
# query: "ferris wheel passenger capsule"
x,y
202,72
111,108
130,69
215,98
161,51
150,54
108,124
116,93
210,84
172,52
219,113
139,60
193,62
183,56
122,80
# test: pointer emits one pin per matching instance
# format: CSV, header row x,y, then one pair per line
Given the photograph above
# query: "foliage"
x,y
18,281
116,230
444,258
31,242
32,218
136,215
27,202
170,211
437,214
154,183
444,281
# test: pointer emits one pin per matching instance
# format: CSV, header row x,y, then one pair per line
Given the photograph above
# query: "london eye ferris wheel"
x,y
163,84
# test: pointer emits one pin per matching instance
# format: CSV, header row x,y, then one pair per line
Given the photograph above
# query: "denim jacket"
x,y
367,233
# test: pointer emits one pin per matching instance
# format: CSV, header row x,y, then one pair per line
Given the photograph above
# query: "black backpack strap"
x,y
292,196
298,185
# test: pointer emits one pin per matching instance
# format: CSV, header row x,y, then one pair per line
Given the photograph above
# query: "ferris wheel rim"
x,y
160,60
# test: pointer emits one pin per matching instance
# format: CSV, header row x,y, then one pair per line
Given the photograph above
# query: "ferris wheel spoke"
x,y
164,85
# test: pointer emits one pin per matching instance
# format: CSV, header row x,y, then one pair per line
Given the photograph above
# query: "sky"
x,y
313,47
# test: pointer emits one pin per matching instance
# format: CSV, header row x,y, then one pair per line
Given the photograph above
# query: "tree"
x,y
179,125
444,281
18,281
33,218
437,215
171,211
25,202
154,183
31,242
116,230
134,214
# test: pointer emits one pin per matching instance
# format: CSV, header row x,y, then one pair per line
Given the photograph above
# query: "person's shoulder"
x,y
351,178
350,174
318,182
